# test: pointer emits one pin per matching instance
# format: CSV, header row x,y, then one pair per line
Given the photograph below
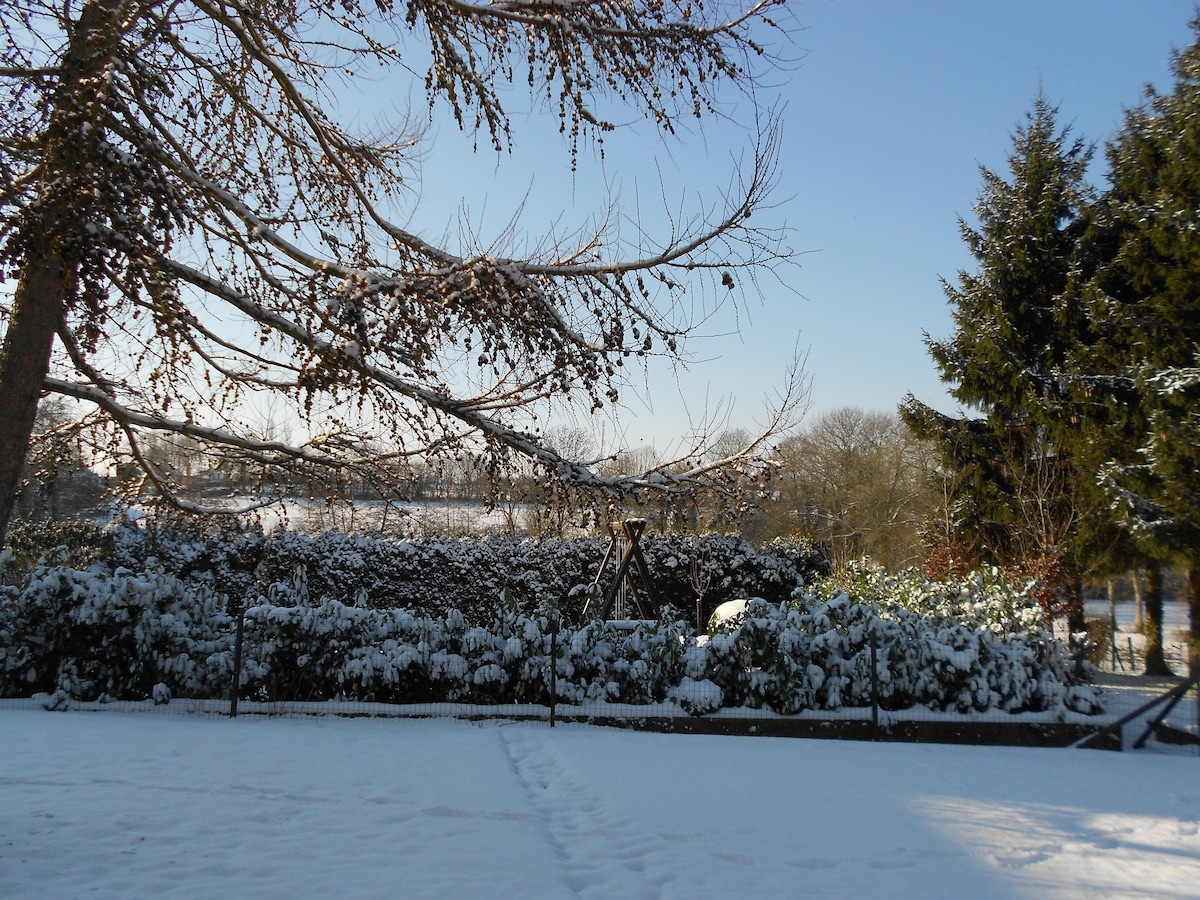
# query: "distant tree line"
x,y
856,482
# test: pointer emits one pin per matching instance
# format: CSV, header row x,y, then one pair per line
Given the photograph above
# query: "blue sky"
x,y
886,119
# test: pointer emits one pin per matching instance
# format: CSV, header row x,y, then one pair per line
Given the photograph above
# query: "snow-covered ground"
x,y
415,517
1127,639
133,805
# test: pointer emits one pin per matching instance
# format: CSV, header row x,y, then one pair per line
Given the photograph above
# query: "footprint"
x,y
815,862
940,854
448,812
739,858
385,801
511,816
1020,858
568,809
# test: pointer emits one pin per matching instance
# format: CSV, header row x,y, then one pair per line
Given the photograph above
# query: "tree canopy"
x,y
1139,372
1016,322
190,227
858,483
1146,303
1079,340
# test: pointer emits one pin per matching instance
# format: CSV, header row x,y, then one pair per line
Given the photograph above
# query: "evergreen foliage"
x,y
1079,342
1012,484
1139,373
1148,300
427,575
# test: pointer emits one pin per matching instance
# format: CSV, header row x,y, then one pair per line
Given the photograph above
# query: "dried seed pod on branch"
x,y
183,212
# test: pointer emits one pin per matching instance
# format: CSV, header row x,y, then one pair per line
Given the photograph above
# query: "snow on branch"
x,y
223,239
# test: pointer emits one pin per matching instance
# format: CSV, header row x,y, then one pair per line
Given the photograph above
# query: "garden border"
x,y
1018,734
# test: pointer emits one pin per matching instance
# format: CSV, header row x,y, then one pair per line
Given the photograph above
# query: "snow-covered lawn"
x,y
135,805
1175,627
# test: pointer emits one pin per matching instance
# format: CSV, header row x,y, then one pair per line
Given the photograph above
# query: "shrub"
x,y
95,633
971,644
163,630
432,575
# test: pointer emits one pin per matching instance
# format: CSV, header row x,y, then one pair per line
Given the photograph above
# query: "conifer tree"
x,y
1144,306
1014,484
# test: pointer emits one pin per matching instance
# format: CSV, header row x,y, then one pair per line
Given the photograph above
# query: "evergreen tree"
x,y
1144,305
1013,481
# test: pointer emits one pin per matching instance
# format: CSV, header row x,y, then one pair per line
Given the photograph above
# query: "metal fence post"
x,y
1194,674
875,678
553,665
236,688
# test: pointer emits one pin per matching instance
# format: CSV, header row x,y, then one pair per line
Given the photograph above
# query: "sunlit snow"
x,y
142,805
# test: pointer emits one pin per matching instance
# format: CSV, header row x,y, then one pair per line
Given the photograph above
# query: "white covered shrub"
x,y
976,644
96,633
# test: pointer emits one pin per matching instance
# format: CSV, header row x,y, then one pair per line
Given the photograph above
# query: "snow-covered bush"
x,y
162,630
986,598
726,567
432,575
972,644
76,544
697,697
95,633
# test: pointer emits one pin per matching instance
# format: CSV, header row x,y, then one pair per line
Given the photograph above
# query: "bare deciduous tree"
x,y
859,483
191,229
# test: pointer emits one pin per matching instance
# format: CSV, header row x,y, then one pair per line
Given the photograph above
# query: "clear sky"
x,y
886,119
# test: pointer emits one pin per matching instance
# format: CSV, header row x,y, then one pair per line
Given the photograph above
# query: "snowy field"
x,y
412,517
128,805
1127,639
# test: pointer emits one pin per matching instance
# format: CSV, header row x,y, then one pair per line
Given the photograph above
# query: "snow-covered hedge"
x,y
970,645
94,633
816,654
432,575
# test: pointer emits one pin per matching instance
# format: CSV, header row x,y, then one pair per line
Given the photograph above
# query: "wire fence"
x,y
551,666
1128,719
1120,644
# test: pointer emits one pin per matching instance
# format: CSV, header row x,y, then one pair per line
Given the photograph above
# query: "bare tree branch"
x,y
216,236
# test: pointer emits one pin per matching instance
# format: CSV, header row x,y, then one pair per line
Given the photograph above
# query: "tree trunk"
x,y
48,276
1139,605
1156,662
1111,649
1194,621
1076,619
24,362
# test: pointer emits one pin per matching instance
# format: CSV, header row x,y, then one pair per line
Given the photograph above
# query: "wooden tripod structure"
x,y
632,581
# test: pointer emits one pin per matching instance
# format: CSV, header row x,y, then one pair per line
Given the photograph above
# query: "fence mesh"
x,y
1122,696
693,705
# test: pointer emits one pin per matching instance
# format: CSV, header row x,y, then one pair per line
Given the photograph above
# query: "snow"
x,y
137,804
415,517
1127,638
